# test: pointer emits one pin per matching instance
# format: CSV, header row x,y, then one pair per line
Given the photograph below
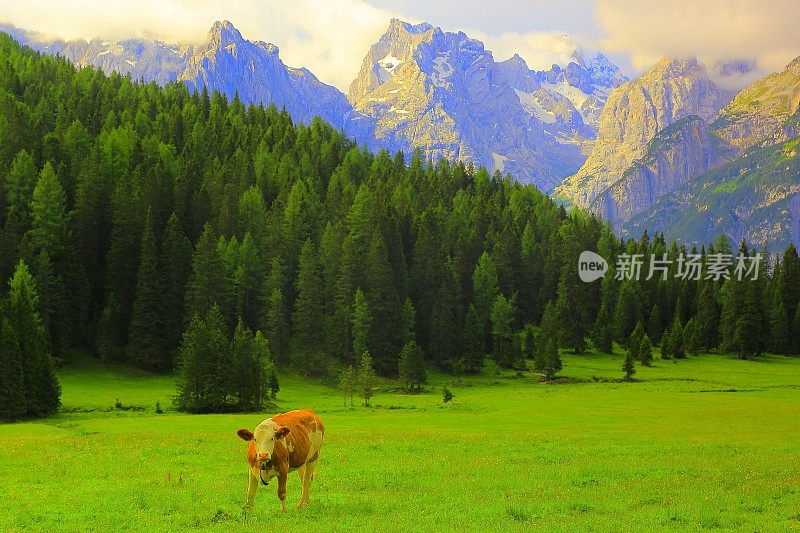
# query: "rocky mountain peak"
x,y
223,33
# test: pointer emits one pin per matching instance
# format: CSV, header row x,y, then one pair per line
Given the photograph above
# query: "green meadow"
x,y
709,442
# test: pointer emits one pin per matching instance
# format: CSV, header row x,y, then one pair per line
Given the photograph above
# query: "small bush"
x,y
446,394
159,411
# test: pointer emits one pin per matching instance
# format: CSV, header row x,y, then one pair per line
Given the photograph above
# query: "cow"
x,y
286,442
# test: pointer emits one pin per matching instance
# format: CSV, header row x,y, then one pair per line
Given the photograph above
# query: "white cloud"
x,y
330,37
540,50
712,30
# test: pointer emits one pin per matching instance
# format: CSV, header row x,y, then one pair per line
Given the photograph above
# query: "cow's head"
x,y
262,443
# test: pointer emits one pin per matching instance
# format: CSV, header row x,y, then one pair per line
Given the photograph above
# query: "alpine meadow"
x,y
179,263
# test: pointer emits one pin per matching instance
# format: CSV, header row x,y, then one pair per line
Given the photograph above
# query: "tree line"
x,y
171,229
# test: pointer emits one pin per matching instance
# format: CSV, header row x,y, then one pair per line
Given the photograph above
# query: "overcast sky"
x,y
331,37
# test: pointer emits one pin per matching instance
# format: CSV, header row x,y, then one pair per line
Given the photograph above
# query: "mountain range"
x,y
667,151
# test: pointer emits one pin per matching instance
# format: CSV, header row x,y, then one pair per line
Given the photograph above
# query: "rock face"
x,y
676,155
634,113
753,196
444,93
759,113
230,64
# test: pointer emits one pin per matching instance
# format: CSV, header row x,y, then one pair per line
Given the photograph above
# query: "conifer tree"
x,y
366,378
41,387
408,320
474,347
274,310
655,327
48,243
547,358
646,351
635,341
307,318
601,332
347,384
780,328
707,318
176,266
628,367
362,321
12,391
628,309
147,344
485,286
504,341
677,346
206,285
410,366
445,323
691,337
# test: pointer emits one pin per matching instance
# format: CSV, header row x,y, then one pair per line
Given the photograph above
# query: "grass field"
x,y
706,443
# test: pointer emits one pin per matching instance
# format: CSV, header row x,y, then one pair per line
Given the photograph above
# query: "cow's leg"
x,y
301,472
282,475
305,500
252,486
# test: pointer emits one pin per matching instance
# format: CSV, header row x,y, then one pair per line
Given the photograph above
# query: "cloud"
x,y
540,50
330,37
715,31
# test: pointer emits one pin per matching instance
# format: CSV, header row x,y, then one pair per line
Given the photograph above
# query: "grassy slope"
x,y
670,452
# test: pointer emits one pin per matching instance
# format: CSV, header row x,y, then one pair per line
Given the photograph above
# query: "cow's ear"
x,y
282,432
245,434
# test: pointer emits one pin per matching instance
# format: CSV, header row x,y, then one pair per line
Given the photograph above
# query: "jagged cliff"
x,y
444,92
676,155
634,113
759,113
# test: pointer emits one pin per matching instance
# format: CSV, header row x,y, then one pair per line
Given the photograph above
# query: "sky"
x,y
331,37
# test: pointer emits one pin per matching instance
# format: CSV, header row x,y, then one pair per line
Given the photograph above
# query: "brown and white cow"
x,y
286,442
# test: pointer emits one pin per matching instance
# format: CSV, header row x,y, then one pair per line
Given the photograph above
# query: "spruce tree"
x,y
655,327
410,366
408,319
366,378
147,343
12,383
41,387
547,358
474,346
445,325
276,327
601,332
48,248
707,317
308,318
176,266
780,332
666,345
646,351
676,335
207,284
504,341
628,309
635,341
347,384
485,287
691,337
628,367
362,321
